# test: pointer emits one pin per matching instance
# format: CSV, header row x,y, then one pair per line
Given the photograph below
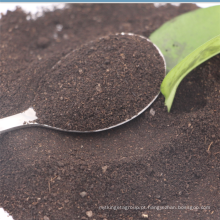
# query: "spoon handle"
x,y
13,122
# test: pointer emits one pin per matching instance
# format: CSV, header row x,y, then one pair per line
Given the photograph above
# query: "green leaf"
x,y
176,75
180,36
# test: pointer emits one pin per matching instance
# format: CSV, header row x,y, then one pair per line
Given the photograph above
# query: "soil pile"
x,y
101,84
166,161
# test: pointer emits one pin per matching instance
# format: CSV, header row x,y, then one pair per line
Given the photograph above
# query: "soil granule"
x,y
164,166
101,84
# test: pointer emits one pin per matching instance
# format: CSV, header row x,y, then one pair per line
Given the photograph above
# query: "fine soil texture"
x,y
101,84
158,166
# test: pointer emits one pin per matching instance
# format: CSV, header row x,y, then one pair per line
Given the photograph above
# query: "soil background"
x,y
165,159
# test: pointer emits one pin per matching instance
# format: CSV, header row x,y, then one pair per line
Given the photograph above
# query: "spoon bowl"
x,y
29,117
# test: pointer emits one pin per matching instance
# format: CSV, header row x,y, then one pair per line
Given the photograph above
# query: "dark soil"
x,y
166,161
101,84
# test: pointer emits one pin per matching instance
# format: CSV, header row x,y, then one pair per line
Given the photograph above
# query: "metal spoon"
x,y
28,117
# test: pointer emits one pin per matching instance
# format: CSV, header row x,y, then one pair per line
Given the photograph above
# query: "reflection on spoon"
x,y
19,120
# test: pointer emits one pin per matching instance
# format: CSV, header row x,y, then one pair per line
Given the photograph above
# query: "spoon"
x,y
28,117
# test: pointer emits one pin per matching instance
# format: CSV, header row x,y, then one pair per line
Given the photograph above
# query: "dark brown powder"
x,y
152,161
101,84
